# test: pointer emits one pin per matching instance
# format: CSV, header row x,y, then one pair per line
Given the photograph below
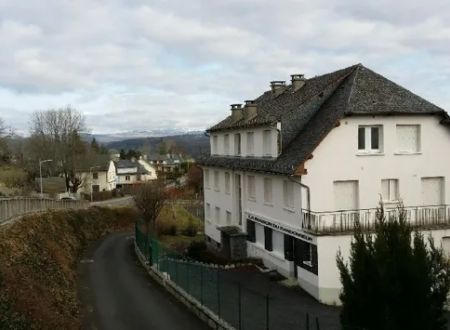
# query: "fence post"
x,y
201,284
239,306
187,277
267,312
307,321
218,292
317,323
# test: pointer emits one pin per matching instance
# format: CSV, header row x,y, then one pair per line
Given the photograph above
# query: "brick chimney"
x,y
277,87
250,110
298,81
236,112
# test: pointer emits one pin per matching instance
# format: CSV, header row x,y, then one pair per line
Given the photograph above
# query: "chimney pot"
x,y
250,110
236,112
277,87
298,81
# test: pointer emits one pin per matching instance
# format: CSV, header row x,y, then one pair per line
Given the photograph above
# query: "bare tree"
x,y
55,134
149,198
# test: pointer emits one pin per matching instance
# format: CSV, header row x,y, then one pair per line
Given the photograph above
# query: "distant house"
x,y
130,172
97,175
168,163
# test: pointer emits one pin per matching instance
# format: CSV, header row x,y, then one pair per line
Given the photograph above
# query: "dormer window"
x,y
250,143
226,144
370,139
237,144
215,145
267,143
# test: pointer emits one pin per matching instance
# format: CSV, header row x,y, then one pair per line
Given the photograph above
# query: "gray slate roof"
x,y
310,113
126,163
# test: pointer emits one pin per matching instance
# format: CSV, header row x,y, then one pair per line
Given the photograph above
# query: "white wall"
x,y
218,198
337,158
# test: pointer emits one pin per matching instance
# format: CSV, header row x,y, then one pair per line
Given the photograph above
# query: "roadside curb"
x,y
202,312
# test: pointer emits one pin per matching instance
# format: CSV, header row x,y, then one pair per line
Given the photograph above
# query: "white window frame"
x,y
267,143
237,142
250,150
288,195
217,215
251,189
206,175
392,190
268,191
368,139
226,144
216,180
215,150
418,142
208,212
228,218
227,182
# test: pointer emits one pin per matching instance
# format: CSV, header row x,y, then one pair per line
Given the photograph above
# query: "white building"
x,y
131,172
98,175
294,169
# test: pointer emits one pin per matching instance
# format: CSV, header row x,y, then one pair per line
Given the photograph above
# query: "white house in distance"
x,y
130,172
98,175
292,171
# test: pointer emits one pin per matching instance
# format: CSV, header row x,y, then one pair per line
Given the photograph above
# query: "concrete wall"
x,y
337,158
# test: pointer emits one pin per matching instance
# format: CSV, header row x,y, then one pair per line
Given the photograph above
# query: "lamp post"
x,y
40,172
92,180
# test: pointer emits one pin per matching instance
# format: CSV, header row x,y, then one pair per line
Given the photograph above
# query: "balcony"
x,y
341,222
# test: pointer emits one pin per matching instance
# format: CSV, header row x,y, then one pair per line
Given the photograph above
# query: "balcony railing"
x,y
344,221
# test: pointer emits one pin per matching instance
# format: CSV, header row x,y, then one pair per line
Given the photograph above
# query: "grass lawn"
x,y
177,228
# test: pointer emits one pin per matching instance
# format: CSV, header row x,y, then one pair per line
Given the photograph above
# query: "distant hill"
x,y
193,144
115,137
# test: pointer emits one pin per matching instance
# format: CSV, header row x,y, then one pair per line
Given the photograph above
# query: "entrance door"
x,y
433,191
346,195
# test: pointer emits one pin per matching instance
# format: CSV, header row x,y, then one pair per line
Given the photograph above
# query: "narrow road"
x,y
117,293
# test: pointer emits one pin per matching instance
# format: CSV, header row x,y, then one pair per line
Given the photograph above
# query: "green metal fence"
x,y
232,301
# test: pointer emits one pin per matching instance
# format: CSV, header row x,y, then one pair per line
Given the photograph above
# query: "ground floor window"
x,y
251,231
278,242
306,255
268,238
259,234
95,188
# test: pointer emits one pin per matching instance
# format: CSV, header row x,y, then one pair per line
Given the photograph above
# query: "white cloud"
x,y
140,65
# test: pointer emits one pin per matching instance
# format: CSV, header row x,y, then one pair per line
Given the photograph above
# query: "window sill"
x,y
308,263
288,209
268,204
407,153
370,154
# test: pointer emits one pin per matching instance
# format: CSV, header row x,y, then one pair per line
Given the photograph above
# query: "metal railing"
x,y
429,216
14,207
223,294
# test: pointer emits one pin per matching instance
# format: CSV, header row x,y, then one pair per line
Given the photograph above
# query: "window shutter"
x,y
375,138
251,231
268,238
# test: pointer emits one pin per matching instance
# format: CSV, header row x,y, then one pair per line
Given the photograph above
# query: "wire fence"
x,y
231,300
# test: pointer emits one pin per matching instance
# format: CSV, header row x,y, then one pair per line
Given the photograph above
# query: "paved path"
x,y
118,294
116,202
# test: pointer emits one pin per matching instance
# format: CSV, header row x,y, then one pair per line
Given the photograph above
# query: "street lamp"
x,y
40,172
92,179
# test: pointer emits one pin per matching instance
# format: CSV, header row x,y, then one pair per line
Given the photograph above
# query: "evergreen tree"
x,y
394,279
94,145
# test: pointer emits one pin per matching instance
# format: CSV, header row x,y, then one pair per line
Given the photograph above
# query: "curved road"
x,y
117,293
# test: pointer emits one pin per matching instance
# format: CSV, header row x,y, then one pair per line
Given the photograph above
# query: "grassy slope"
x,y
38,258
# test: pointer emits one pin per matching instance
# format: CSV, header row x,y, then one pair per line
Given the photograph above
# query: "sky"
x,y
131,65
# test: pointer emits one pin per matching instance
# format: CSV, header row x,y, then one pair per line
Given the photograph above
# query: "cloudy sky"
x,y
141,65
